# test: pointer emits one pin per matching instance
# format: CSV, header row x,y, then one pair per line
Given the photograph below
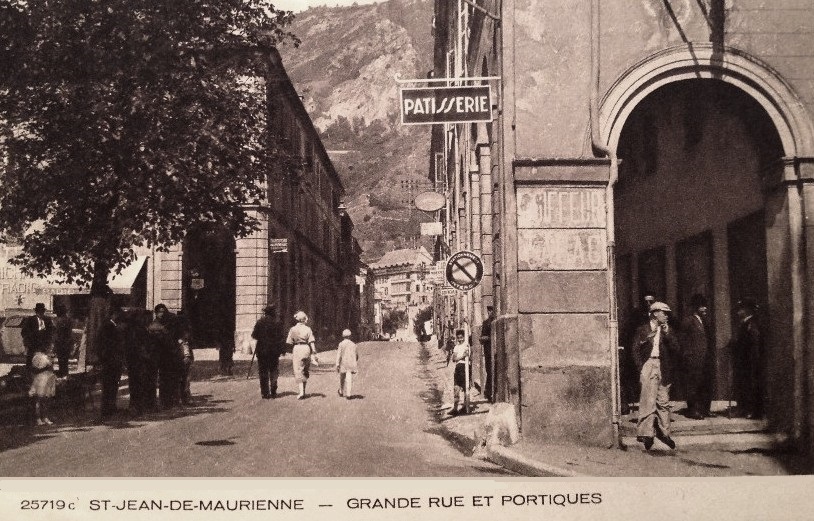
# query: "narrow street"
x,y
390,428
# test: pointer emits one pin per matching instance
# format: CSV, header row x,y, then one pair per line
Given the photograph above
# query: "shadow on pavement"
x,y
17,429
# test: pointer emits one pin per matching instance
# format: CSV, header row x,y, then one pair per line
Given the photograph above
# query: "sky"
x,y
299,5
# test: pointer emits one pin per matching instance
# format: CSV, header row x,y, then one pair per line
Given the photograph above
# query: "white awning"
x,y
122,283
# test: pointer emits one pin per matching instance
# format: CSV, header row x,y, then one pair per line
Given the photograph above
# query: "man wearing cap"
x,y
268,331
628,376
37,332
697,356
655,351
747,352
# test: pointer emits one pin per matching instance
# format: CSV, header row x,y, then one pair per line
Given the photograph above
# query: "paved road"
x,y
390,429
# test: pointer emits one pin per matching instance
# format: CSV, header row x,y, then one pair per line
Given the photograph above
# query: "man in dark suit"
x,y
747,354
37,332
268,331
697,355
111,357
655,351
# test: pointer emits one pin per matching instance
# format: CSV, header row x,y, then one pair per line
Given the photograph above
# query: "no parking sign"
x,y
464,270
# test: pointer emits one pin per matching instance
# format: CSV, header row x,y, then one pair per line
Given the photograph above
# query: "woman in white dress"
x,y
302,339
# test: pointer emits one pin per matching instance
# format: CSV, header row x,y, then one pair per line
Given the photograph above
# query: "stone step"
x,y
734,442
713,425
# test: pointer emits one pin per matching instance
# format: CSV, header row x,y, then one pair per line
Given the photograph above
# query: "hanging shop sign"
x,y
464,270
278,245
433,228
435,105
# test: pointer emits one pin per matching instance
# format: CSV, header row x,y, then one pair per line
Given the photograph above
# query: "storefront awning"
x,y
122,283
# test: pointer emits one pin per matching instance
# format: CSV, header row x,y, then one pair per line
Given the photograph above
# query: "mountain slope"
x,y
345,70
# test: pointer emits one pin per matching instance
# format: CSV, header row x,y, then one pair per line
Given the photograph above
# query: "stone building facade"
x,y
303,256
659,145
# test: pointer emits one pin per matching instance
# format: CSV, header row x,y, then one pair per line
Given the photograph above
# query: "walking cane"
x,y
249,372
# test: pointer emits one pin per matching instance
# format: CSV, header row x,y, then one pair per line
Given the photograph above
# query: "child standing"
x,y
346,364
460,355
43,386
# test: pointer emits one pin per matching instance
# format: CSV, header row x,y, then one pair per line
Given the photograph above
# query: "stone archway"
x,y
733,66
784,204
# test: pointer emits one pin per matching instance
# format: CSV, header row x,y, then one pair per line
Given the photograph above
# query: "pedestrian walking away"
x,y
655,350
301,338
268,331
347,364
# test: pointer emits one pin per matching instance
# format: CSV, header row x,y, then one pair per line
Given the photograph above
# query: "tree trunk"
x,y
100,296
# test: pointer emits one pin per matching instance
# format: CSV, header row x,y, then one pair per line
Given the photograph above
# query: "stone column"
x,y
251,285
564,300
171,279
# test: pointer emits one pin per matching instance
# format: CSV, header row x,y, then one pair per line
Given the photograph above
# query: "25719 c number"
x,y
46,504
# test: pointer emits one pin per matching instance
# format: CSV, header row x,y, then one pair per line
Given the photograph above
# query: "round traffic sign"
x,y
464,270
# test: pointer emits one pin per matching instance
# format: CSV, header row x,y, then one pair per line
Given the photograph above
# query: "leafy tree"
x,y
393,319
421,317
127,122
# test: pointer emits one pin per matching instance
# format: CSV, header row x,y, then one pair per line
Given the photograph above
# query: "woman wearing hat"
x,y
302,339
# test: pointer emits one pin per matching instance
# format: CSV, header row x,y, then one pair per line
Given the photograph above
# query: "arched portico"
x,y
789,292
746,72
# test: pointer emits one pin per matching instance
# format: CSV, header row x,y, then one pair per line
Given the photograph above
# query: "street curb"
x,y
513,460
509,458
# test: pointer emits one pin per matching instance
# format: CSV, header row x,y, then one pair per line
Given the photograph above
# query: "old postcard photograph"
x,y
558,246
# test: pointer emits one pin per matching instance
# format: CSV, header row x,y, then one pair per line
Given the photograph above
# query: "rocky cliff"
x,y
346,70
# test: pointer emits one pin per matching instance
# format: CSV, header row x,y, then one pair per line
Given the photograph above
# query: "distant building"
x,y
365,282
400,280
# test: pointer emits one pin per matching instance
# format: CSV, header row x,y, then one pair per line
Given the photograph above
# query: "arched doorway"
x,y
690,209
209,282
788,340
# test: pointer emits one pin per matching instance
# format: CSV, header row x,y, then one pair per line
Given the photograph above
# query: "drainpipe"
x,y
602,150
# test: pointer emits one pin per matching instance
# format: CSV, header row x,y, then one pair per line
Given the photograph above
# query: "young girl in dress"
x,y
346,364
43,386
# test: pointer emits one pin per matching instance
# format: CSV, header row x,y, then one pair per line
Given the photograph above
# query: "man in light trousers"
x,y
655,351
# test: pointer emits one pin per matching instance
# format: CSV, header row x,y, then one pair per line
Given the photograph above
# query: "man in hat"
x,y
268,331
628,376
111,357
37,332
486,344
697,355
655,351
747,351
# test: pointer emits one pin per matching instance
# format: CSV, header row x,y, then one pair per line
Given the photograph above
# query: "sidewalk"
x,y
535,458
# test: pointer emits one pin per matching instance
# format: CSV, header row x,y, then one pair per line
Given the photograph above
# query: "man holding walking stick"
x,y
269,335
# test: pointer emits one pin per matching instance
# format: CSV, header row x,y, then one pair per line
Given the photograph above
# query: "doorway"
x,y
209,285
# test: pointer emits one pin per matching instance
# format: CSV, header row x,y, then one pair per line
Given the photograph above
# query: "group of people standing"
x,y
300,341
661,355
155,349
